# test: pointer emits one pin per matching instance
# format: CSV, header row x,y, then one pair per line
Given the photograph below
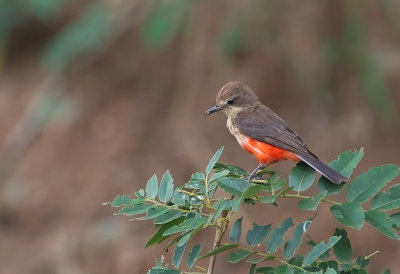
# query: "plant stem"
x,y
272,257
219,233
288,264
173,207
306,197
207,200
372,254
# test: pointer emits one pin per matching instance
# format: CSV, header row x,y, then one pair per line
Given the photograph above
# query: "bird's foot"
x,y
260,167
250,177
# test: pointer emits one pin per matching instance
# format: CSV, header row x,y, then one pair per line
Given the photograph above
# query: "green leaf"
x,y
222,205
186,237
178,255
347,161
295,242
256,260
233,186
349,214
213,160
251,191
137,209
382,223
342,249
274,183
239,255
193,255
265,269
218,175
276,237
252,269
154,212
234,171
222,248
330,271
312,203
170,243
319,249
121,200
301,177
167,217
297,260
196,181
387,271
329,265
188,224
268,199
163,271
344,164
158,236
362,262
283,269
367,184
219,206
166,187
257,234
236,231
179,198
235,204
387,201
395,218
140,194
358,271
152,187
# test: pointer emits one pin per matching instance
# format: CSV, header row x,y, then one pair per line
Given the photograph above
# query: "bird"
x,y
261,132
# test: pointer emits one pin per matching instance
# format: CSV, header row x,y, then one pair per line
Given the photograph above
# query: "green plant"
x,y
182,212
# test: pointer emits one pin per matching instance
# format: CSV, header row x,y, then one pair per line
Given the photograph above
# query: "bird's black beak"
x,y
213,109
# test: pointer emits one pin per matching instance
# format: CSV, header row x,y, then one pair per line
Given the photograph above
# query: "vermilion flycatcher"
x,y
263,133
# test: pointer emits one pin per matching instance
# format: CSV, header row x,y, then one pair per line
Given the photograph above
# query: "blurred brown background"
x,y
96,96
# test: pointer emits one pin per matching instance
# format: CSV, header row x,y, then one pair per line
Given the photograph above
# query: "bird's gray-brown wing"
x,y
263,125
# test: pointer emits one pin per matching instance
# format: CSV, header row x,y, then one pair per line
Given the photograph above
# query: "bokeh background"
x,y
96,96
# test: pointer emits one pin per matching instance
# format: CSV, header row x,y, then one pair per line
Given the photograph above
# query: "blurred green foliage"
x,y
260,28
164,23
14,12
82,36
357,54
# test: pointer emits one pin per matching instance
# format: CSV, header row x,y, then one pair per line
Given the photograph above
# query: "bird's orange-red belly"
x,y
266,153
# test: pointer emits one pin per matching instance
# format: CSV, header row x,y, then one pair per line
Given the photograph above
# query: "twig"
x,y
307,197
219,233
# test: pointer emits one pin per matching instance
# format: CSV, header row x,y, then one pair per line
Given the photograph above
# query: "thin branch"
x,y
306,197
270,257
173,207
372,254
219,233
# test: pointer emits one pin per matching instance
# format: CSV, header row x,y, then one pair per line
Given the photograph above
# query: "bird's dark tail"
x,y
325,170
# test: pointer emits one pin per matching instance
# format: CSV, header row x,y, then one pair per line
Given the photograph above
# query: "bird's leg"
x,y
261,166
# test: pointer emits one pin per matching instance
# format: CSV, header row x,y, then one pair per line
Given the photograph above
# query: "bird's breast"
x,y
265,153
242,140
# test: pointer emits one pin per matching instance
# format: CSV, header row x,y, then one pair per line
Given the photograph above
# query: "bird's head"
x,y
233,98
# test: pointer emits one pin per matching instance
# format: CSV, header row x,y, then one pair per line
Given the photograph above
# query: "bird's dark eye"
x,y
230,101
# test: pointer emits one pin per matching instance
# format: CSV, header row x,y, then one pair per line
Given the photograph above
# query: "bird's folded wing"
x,y
272,130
